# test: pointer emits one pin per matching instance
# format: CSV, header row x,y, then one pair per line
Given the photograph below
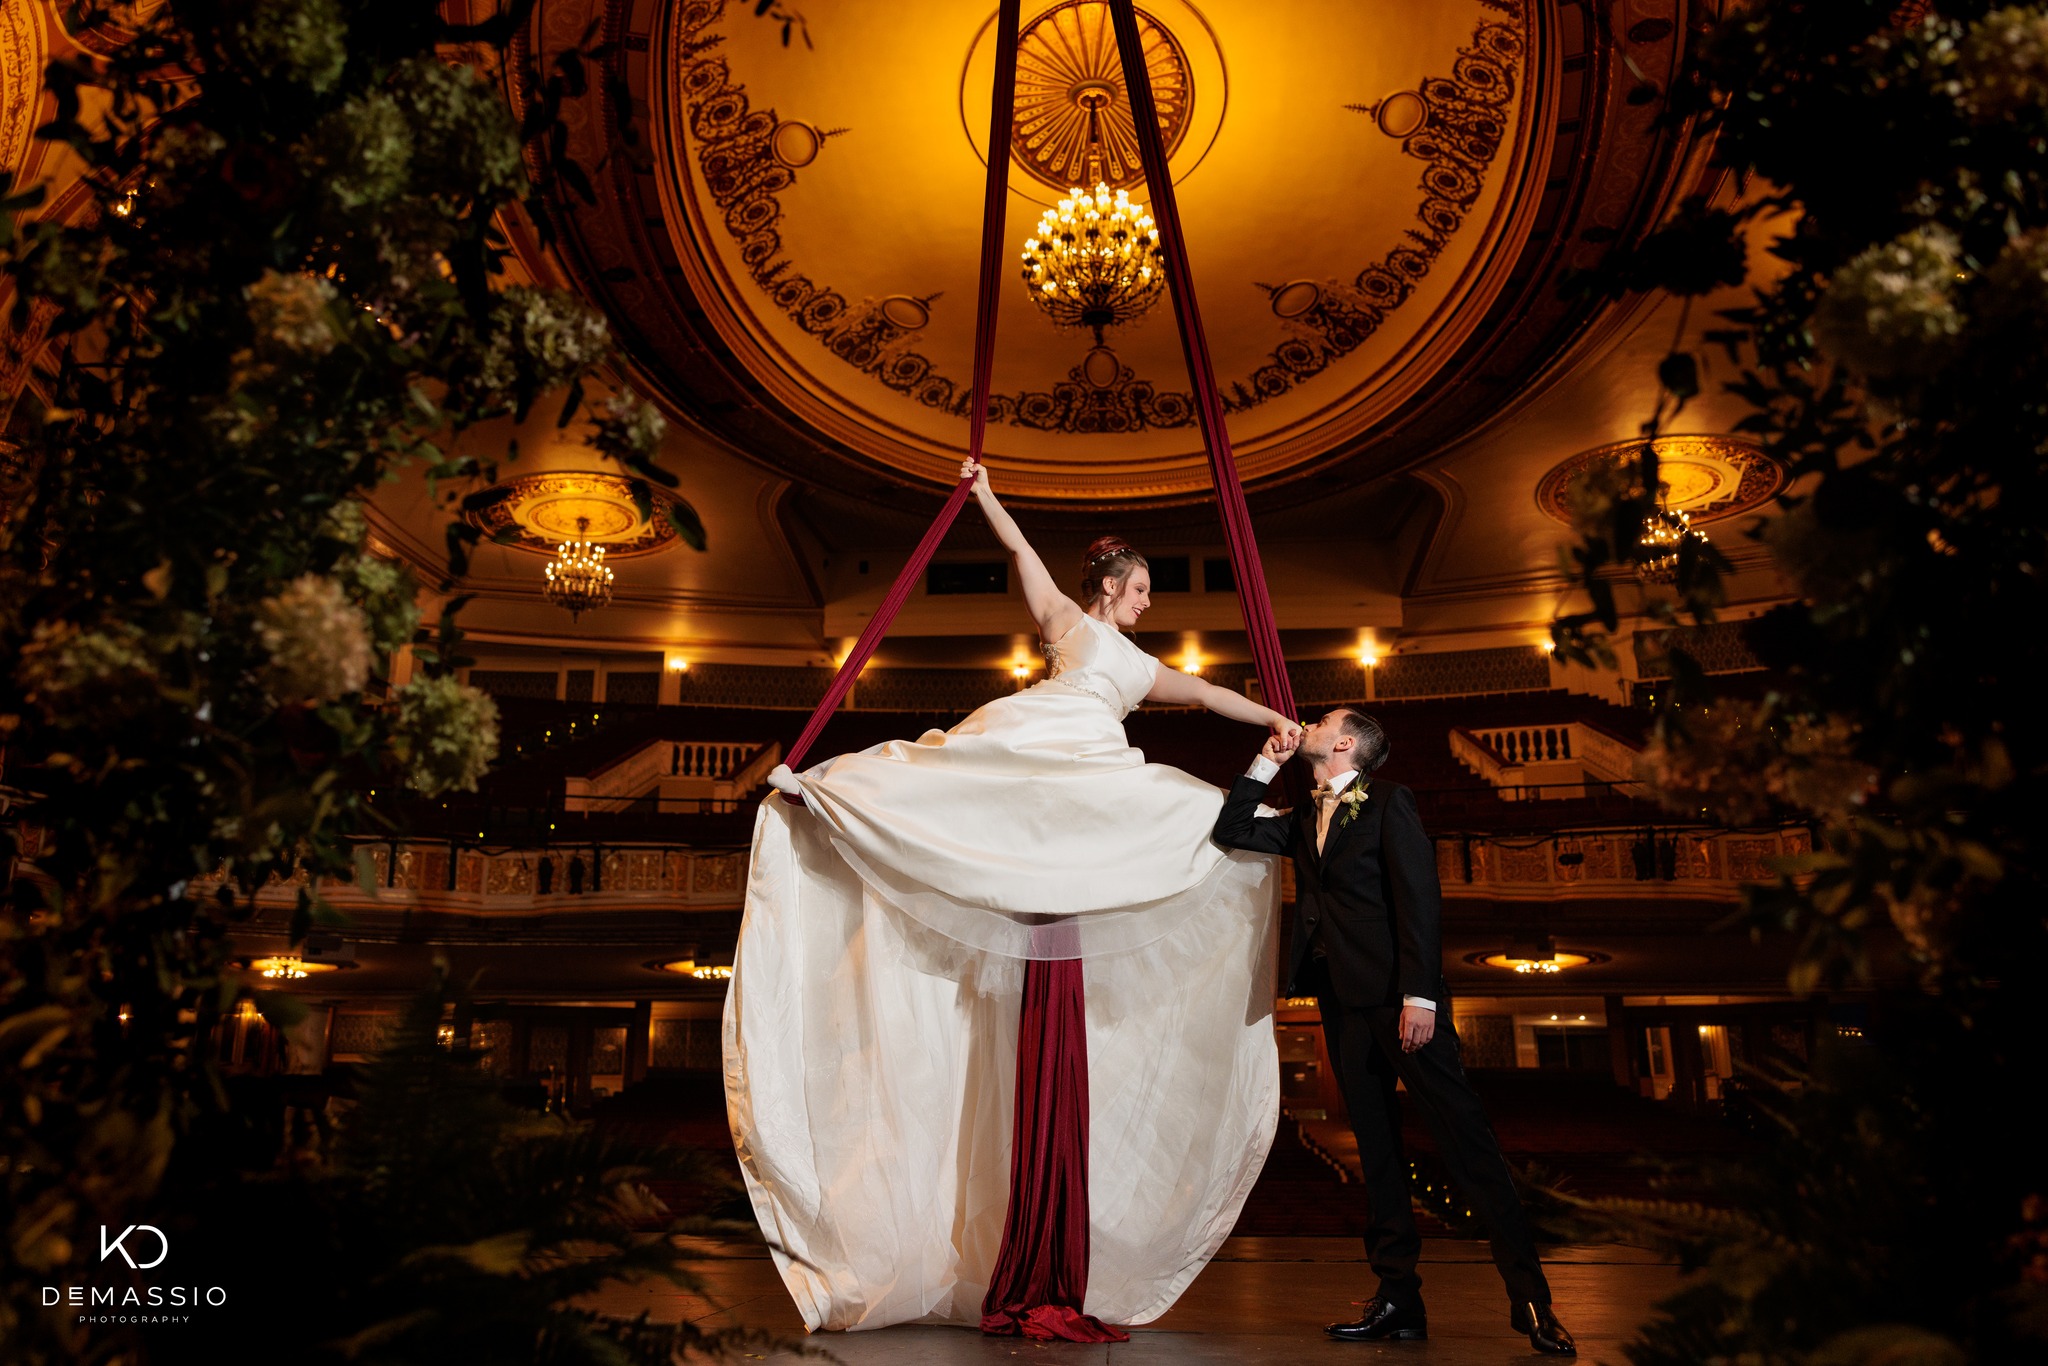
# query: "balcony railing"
x,y
450,877
671,771
1530,763
1695,863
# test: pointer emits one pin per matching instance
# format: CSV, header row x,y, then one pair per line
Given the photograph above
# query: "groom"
x,y
1367,946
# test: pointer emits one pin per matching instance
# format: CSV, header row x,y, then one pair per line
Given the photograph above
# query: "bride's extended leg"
x,y
1041,1274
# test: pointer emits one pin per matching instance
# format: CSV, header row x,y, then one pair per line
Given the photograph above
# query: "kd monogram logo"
x,y
107,1249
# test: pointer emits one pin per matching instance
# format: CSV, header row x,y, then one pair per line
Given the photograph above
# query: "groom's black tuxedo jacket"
x,y
1370,898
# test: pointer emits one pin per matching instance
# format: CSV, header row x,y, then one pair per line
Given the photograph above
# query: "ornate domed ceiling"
x,y
788,235
1334,256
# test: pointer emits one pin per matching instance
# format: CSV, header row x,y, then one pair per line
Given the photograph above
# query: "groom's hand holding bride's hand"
x,y
1281,744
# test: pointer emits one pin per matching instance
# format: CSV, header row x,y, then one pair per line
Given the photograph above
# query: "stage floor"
x,y
1260,1300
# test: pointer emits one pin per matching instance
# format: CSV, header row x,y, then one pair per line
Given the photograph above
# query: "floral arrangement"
x,y
1893,353
287,285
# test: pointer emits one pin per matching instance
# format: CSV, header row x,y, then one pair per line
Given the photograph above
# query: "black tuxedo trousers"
x,y
1367,932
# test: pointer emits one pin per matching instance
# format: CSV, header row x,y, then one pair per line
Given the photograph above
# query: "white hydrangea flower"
x,y
293,313
1890,313
448,732
346,522
319,643
629,426
556,334
2001,65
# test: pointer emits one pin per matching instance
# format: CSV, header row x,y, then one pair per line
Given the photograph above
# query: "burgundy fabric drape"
x,y
1040,1279
994,206
1252,598
1041,1275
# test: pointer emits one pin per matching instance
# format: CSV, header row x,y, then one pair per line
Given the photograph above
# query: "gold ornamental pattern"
x,y
1707,477
535,512
1469,115
1068,55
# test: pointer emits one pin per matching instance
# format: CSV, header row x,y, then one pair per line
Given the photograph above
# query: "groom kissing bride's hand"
x,y
1367,945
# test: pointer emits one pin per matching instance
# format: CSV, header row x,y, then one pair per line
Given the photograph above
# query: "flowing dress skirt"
x,y
872,1021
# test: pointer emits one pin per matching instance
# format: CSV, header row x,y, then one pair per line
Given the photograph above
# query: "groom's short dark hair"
x,y
1372,748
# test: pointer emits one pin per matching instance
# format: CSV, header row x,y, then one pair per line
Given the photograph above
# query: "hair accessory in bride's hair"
x,y
1108,557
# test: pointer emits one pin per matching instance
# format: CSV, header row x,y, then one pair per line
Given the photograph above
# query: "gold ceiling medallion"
x,y
1071,80
1294,298
796,144
1399,115
1535,955
1701,479
537,512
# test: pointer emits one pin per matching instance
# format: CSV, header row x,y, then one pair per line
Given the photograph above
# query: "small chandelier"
x,y
1664,531
578,580
1095,260
287,967
1536,955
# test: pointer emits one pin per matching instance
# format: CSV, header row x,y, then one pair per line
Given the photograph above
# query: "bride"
x,y
933,1123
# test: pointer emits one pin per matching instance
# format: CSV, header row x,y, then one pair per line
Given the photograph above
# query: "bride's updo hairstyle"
x,y
1110,557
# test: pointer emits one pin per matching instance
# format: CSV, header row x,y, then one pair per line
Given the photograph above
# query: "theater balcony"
x,y
594,889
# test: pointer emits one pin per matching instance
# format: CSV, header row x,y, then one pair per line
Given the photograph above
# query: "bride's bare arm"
x,y
1053,610
1185,690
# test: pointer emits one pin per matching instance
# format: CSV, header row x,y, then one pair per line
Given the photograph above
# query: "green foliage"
x,y
1894,357
289,284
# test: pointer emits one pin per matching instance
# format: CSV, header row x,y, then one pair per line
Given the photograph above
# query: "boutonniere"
x,y
1352,801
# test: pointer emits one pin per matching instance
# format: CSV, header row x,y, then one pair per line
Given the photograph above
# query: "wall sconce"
x,y
676,664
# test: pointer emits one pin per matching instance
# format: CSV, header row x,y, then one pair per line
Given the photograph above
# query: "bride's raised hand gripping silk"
x,y
871,1025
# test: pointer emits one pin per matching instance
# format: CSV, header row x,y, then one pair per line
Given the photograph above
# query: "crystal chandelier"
x,y
1664,531
578,580
1094,261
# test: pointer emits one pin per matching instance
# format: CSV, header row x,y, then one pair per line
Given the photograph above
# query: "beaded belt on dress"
x,y
1088,691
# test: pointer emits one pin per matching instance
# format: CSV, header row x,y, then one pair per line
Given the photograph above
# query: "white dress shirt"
x,y
1262,771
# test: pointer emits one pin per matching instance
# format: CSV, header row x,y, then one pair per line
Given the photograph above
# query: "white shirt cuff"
x,y
1422,1001
1262,770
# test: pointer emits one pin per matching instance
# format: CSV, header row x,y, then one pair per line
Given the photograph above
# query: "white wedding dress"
x,y
871,1025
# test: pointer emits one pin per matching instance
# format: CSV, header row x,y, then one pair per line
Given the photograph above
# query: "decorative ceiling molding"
x,y
24,51
1710,478
536,512
1068,55
734,146
1588,171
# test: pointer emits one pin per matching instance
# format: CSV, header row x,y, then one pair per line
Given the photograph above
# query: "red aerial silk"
x,y
995,200
1041,1274
1252,599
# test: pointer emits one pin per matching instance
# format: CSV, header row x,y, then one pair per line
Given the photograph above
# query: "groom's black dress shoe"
x,y
1384,1322
1546,1334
